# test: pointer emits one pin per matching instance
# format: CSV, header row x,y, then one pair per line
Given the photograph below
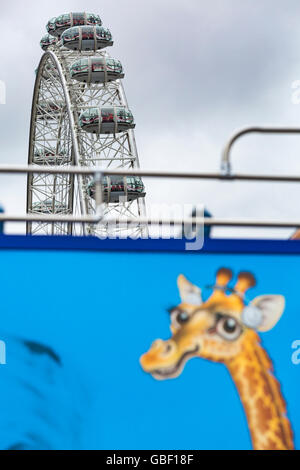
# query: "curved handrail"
x,y
226,163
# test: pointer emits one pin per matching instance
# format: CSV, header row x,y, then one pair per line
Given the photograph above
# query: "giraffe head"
x,y
217,329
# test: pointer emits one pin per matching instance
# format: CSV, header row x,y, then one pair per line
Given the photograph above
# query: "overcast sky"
x,y
195,72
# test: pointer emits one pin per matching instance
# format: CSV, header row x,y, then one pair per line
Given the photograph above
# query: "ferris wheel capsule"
x,y
56,26
106,120
86,38
47,41
51,25
49,109
96,70
50,157
115,187
49,207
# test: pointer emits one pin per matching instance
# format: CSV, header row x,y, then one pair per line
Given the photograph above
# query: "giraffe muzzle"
x,y
162,372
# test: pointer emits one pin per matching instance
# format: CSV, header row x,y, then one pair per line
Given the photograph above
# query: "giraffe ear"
x,y
189,293
271,307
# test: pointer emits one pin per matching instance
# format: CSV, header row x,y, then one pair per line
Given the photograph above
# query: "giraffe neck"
x,y
261,396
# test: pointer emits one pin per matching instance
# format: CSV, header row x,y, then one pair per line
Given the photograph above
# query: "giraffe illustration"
x,y
224,329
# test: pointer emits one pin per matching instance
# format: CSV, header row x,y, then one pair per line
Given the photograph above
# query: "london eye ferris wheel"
x,y
80,116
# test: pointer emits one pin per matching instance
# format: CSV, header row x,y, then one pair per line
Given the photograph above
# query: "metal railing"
x,y
98,174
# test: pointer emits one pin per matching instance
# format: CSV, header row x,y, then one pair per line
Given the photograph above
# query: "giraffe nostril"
x,y
168,348
162,348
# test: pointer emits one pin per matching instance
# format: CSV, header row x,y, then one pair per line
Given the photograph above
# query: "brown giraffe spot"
x,y
252,387
264,415
248,356
272,445
278,432
248,413
234,369
239,384
249,371
253,383
266,389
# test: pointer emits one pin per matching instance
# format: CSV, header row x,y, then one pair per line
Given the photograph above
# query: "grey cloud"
x,y
195,71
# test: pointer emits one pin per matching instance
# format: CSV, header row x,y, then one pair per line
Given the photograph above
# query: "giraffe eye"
x,y
228,328
180,317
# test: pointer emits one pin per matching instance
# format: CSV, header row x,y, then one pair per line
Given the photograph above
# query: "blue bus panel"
x,y
141,345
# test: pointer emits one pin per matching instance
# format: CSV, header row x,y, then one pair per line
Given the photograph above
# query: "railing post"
x,y
98,175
